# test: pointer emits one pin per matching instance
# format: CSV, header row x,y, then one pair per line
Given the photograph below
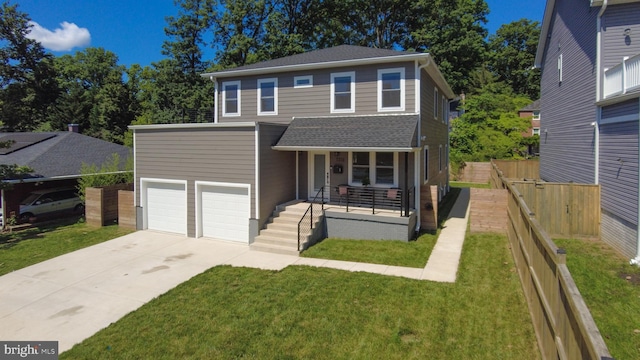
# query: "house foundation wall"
x,y
368,226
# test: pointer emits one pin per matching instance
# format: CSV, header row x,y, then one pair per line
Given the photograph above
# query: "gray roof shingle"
x,y
333,54
533,106
61,153
342,132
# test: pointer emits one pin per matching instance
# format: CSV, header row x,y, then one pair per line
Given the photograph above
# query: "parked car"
x,y
49,201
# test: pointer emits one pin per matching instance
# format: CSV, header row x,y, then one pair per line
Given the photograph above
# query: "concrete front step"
x,y
277,249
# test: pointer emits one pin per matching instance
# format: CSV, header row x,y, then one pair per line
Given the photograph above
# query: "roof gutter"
x,y
344,148
63,177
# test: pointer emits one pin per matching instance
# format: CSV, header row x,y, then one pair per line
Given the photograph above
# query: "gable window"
x,y
435,103
231,98
343,92
303,81
426,163
391,89
268,97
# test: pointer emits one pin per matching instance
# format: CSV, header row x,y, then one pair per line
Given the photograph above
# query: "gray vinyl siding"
x,y
615,46
619,233
436,133
316,100
196,154
619,169
567,137
277,180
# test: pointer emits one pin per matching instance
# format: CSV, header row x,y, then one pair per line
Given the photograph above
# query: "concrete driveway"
x,y
71,297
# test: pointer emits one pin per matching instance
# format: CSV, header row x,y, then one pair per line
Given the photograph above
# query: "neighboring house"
x,y
55,157
589,53
532,111
335,118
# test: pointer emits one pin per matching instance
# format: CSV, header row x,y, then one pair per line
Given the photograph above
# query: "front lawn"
x,y
611,289
30,246
318,313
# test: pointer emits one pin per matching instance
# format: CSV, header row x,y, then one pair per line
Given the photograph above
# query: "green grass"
x,y
460,184
398,253
611,289
318,313
30,246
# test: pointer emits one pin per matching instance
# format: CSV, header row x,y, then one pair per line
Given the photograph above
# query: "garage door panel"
x,y
166,207
225,212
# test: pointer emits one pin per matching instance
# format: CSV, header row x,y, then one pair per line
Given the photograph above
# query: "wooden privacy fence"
x,y
522,169
563,209
101,204
562,322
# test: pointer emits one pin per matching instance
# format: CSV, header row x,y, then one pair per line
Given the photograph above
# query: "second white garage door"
x,y
225,212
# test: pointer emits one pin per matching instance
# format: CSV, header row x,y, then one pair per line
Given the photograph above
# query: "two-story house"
x,y
589,53
352,124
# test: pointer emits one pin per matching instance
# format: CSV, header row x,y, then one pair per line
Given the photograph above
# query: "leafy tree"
x,y
490,127
93,95
453,32
27,80
512,54
111,172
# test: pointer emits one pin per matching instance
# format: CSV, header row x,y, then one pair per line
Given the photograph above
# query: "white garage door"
x,y
166,207
225,212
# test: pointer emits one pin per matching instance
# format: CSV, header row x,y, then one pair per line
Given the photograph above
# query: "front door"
x,y
319,175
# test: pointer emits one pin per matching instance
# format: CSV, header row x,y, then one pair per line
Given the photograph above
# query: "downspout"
x,y
215,99
596,167
636,260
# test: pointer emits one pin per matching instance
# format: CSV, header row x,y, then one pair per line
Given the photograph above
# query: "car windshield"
x,y
30,199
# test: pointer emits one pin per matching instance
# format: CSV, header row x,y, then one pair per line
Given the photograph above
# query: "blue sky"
x,y
134,29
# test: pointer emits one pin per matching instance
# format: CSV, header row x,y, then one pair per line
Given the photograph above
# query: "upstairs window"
x,y
440,158
343,93
560,68
536,115
391,89
231,98
268,97
444,110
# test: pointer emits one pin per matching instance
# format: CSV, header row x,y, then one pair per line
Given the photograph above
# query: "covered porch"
x,y
363,169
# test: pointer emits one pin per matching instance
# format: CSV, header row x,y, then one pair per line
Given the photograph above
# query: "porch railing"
x,y
623,77
376,198
305,225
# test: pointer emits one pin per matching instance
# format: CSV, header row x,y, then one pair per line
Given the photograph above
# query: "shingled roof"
x,y
383,132
58,154
533,106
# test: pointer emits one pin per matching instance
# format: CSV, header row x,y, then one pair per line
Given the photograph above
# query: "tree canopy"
x,y
41,92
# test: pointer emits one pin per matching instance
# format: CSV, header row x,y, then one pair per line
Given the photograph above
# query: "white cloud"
x,y
65,38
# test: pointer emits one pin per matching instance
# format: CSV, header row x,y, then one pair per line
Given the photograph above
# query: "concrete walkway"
x,y
71,297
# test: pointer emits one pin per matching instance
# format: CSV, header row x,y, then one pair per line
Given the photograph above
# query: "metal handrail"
x,y
310,212
378,198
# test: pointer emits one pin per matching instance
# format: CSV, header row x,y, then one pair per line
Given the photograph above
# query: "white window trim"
x,y
224,98
372,170
435,103
425,163
352,109
535,116
560,68
275,96
304,77
402,91
535,131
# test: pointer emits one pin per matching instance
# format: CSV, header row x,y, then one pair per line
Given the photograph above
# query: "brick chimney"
x,y
74,128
